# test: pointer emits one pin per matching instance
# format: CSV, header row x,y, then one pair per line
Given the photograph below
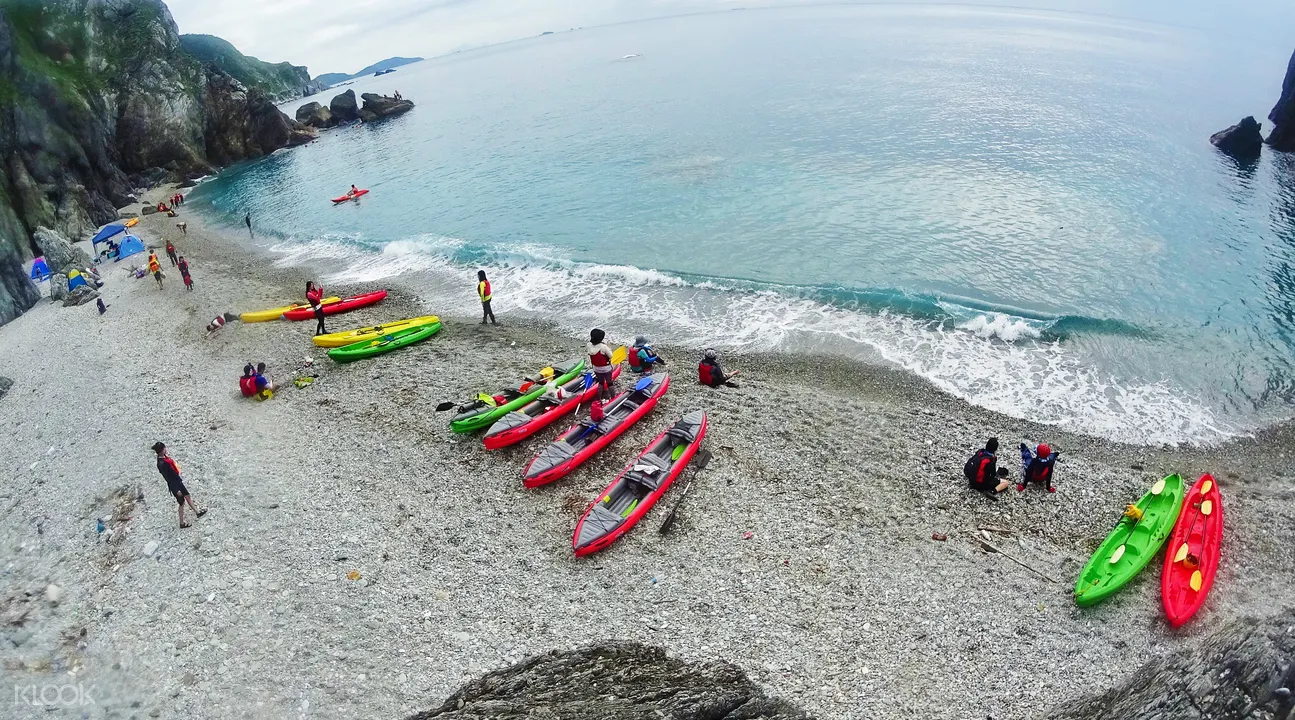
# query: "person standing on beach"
x,y
315,296
247,220
171,473
184,273
155,267
170,253
600,356
483,292
982,472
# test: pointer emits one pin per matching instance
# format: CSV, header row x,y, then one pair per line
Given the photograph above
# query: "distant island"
x,y
328,80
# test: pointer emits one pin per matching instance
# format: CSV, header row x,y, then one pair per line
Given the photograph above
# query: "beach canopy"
x,y
39,270
106,232
130,246
75,280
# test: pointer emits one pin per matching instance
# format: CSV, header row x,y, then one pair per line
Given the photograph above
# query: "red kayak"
x,y
1192,555
354,302
633,493
538,414
351,196
584,439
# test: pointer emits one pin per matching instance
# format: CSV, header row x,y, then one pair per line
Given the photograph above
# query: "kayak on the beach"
x,y
277,313
1192,556
486,409
350,196
633,493
1133,543
354,302
584,439
385,343
348,337
538,414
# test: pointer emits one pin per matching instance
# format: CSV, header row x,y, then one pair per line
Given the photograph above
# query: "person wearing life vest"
x,y
982,470
155,267
170,252
600,357
184,273
315,296
1037,468
642,357
247,383
711,374
484,294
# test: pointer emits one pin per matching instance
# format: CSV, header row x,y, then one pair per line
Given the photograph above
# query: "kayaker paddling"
x,y
982,471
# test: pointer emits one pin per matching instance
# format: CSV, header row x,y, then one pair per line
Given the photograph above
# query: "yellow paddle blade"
x,y
1207,507
1119,553
1159,487
1207,486
1196,581
619,355
1182,553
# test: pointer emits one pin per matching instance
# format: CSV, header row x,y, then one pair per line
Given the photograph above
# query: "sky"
x,y
346,35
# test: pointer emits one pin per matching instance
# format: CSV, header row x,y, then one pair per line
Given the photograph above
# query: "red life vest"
x,y
314,296
704,373
247,385
598,359
1039,471
636,363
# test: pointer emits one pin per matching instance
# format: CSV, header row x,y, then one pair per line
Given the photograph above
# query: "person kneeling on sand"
x,y
171,473
642,357
1037,468
711,374
982,471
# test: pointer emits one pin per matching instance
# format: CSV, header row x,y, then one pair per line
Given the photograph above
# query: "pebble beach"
x,y
360,560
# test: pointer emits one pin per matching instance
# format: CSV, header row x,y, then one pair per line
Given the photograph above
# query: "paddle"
x,y
1156,489
1205,507
702,459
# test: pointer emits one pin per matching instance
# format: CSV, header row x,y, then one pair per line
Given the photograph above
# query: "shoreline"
x,y
840,602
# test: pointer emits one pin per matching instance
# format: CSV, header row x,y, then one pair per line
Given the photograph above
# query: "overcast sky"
x,y
346,35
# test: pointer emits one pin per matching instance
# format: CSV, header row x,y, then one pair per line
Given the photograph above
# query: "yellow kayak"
x,y
131,222
276,313
347,337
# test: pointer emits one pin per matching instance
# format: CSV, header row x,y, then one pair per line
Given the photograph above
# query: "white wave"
x,y
1001,326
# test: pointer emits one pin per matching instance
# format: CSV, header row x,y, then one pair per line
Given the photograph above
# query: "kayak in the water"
x,y
1133,543
584,439
351,196
1192,556
276,313
486,409
385,343
633,493
540,413
347,337
354,302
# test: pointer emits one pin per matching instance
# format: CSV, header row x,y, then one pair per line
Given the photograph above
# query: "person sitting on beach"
x,y
155,267
982,471
1037,468
600,357
184,273
264,386
711,374
247,383
642,357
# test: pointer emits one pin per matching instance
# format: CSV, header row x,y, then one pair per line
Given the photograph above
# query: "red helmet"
x,y
1044,450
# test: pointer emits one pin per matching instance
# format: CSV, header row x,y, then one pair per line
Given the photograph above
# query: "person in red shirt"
x,y
171,473
315,296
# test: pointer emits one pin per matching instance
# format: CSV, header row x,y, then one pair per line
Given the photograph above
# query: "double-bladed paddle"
x,y
701,460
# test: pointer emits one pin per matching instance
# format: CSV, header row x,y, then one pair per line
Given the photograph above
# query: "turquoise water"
x,y
1020,206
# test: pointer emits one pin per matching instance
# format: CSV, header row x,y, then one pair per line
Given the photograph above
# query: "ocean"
x,y
1020,206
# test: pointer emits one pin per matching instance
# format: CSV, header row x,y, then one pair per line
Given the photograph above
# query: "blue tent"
x,y
131,245
75,280
39,270
106,232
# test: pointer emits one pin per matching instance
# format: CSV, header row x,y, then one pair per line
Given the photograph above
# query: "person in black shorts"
x,y
171,473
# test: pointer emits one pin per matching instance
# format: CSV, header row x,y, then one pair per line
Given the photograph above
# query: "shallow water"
x,y
1021,207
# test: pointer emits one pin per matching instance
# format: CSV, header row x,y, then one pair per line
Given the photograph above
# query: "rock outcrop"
x,y
243,122
1246,670
5,384
60,254
612,681
312,114
1242,141
281,81
344,108
1283,113
381,106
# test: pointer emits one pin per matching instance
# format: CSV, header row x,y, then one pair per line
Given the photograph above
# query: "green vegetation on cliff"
x,y
278,80
330,79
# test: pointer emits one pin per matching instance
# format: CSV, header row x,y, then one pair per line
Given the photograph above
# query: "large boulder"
x,y
1242,141
315,115
60,255
80,296
1246,670
344,108
380,106
5,384
243,123
57,287
612,681
1283,114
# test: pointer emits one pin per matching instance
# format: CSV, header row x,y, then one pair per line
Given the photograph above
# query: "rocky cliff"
x,y
96,95
281,81
1283,115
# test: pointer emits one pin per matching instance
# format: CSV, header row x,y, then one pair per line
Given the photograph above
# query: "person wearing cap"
x,y
171,473
642,357
982,471
600,357
711,374
1037,468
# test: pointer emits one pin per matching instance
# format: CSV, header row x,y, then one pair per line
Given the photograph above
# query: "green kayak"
x,y
482,412
386,343
1133,542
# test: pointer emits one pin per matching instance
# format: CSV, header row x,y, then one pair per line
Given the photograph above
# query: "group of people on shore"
x,y
983,474
177,261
